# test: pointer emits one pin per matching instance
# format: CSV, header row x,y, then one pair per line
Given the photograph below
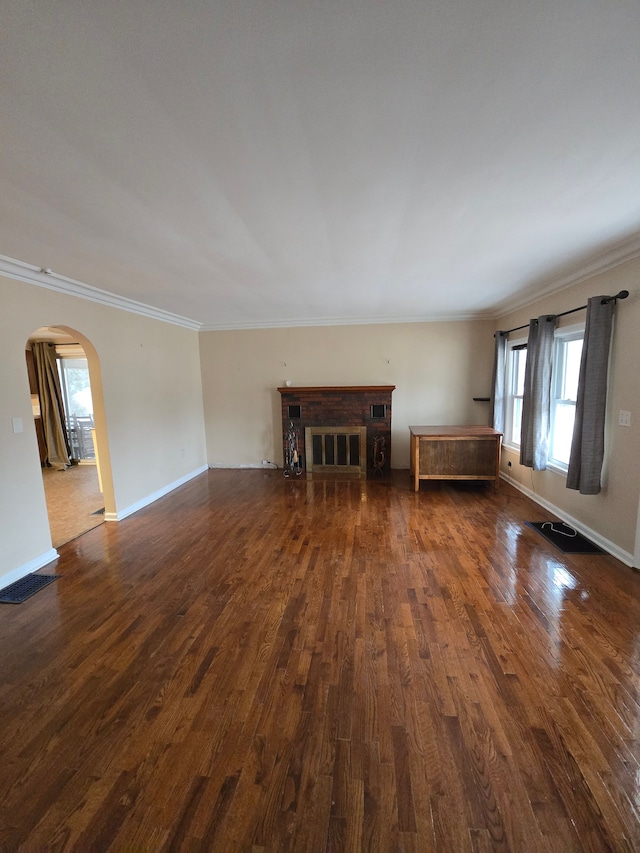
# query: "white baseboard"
x,y
606,544
216,466
149,499
26,569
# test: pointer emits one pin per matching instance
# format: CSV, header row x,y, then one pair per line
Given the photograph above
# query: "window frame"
x,y
564,335
516,345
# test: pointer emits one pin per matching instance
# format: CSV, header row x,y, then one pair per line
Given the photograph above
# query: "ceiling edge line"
x,y
343,321
41,277
607,260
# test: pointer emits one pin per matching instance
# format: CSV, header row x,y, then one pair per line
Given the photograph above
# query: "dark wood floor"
x,y
261,664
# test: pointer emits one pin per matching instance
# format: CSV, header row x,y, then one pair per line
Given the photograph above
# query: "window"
x,y
564,392
76,392
516,361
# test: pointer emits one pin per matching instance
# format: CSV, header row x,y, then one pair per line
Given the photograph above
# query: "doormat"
x,y
564,537
21,589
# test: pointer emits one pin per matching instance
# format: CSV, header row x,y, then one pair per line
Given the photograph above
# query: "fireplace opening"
x,y
336,449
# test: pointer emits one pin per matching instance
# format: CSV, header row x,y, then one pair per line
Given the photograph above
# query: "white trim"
x,y
26,569
343,321
221,466
557,468
608,259
609,546
636,557
143,502
604,261
53,281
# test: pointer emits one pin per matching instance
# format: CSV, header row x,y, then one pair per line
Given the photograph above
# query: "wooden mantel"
x,y
293,389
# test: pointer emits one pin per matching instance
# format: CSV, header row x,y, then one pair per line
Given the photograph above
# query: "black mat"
x,y
19,590
565,537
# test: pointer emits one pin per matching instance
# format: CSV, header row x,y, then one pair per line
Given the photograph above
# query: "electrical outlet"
x,y
624,418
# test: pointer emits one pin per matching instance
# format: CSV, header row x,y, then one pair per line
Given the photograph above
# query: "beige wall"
x,y
437,369
612,514
150,376
165,388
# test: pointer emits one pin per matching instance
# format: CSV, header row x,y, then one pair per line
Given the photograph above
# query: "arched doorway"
x,y
75,465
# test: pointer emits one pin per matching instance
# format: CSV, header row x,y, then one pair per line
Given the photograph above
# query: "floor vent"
x,y
22,589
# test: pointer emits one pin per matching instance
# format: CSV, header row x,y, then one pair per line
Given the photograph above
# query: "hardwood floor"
x,y
261,664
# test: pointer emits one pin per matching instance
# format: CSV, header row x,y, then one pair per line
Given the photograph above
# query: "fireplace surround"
x,y
340,407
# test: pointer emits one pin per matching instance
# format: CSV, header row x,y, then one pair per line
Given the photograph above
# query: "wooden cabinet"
x,y
455,453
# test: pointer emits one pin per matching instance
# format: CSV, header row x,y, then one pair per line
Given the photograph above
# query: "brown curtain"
x,y
51,406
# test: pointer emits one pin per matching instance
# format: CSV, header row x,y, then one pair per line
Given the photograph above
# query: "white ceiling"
x,y
274,162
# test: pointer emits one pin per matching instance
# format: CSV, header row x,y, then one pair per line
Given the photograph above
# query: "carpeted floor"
x,y
72,498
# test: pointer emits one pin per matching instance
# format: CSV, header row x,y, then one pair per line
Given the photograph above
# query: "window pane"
x,y
572,354
517,420
76,393
77,385
515,370
562,432
520,364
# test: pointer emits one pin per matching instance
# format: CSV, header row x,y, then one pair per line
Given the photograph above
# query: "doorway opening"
x,y
63,398
75,384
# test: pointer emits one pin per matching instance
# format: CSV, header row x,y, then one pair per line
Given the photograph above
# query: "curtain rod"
x,y
622,295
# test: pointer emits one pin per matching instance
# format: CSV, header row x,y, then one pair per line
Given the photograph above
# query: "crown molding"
x,y
61,284
340,321
608,259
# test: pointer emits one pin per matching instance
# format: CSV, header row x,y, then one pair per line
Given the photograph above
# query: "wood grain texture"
x,y
260,664
455,453
74,501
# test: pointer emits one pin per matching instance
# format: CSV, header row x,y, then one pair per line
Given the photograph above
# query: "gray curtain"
x,y
587,446
496,417
536,403
51,406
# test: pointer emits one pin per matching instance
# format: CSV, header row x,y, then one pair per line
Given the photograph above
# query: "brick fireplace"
x,y
340,406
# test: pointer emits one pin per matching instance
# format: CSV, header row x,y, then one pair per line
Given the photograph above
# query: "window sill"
x,y
558,468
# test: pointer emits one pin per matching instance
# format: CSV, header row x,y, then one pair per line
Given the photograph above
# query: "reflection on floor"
x,y
72,498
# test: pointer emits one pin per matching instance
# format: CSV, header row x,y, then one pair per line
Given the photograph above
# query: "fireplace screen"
x,y
336,449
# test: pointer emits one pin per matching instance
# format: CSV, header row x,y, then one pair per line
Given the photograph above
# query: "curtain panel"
x,y
536,401
51,406
496,417
587,446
